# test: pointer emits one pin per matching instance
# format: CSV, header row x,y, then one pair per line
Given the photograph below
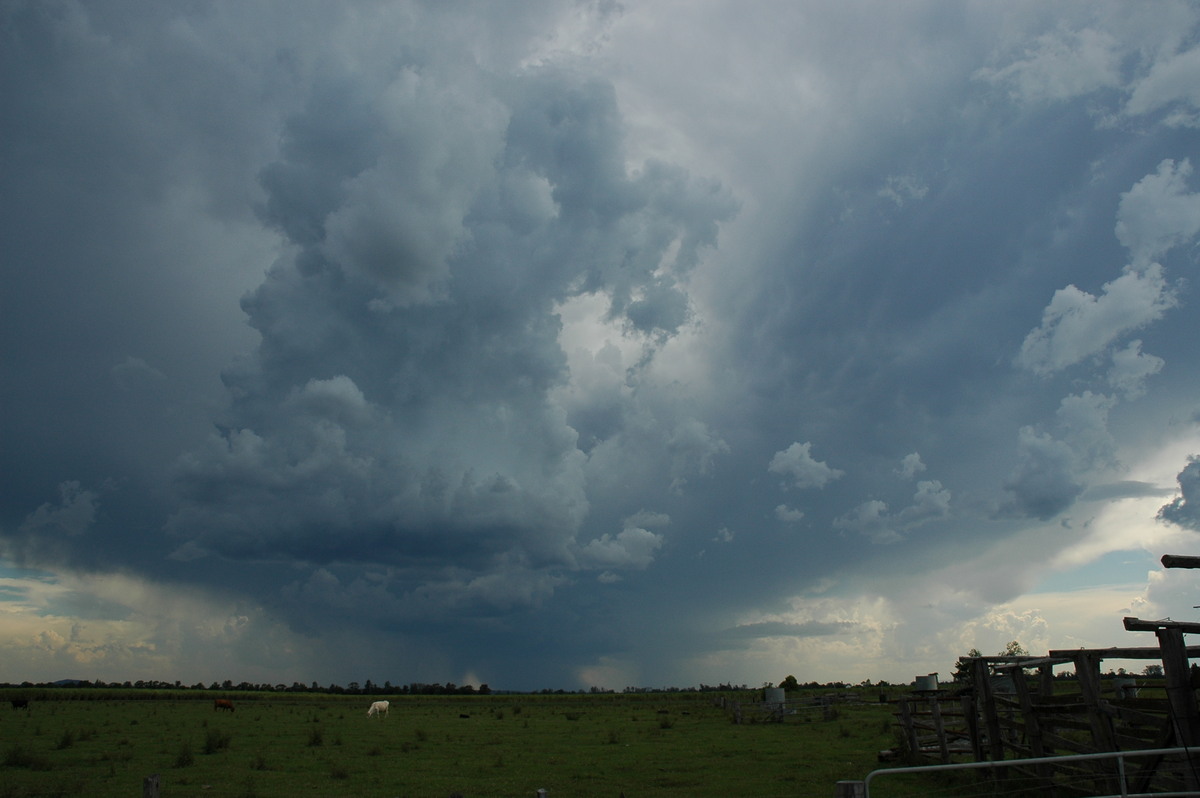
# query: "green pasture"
x,y
105,742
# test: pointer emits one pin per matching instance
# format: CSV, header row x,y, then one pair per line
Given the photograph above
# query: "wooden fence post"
x,y
1180,694
971,714
850,789
981,680
935,709
909,725
150,787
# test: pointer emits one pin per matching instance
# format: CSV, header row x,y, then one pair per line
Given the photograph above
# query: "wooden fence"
x,y
1014,708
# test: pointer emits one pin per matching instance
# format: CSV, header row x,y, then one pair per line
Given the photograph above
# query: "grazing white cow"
x,y
378,708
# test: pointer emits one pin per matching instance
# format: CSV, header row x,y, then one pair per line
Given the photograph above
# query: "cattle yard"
x,y
100,742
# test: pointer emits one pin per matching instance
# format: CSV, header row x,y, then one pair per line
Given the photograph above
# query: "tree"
x,y
1014,649
790,683
962,668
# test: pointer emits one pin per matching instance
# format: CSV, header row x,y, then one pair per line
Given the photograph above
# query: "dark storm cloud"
x,y
397,410
512,328
1183,509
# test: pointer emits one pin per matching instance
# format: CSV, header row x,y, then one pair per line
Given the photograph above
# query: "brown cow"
x,y
222,703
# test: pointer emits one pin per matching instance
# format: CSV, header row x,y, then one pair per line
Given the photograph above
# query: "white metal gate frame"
x,y
1120,756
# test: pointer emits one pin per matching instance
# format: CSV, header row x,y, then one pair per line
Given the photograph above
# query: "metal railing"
x,y
1119,775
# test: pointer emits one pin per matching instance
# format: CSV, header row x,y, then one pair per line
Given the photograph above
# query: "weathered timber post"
x,y
1087,671
1045,692
987,703
1033,730
971,714
910,729
850,789
150,787
1104,737
1046,680
1184,714
940,728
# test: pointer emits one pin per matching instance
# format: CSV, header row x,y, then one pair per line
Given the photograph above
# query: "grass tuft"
x,y
20,757
184,758
216,740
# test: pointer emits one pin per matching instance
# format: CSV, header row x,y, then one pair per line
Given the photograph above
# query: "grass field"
x,y
104,742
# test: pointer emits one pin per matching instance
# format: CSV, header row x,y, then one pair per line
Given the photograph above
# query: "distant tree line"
x,y
353,688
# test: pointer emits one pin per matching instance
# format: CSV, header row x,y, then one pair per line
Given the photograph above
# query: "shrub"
x,y
184,758
216,740
315,737
19,757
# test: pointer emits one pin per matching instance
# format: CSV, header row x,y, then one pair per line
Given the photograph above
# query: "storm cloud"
x,y
573,344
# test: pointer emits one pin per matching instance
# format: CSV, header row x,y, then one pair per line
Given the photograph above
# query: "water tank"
x,y
927,682
775,695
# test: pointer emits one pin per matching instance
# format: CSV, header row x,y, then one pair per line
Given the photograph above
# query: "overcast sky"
x,y
572,344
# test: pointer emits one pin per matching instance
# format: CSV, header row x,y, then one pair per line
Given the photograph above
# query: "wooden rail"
x,y
1014,708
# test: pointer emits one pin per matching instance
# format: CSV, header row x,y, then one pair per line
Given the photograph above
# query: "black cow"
x,y
20,703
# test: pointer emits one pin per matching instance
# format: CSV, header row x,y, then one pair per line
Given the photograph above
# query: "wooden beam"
x,y
1122,653
1032,662
1138,625
1179,561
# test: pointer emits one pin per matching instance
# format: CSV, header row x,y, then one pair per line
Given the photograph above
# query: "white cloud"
x,y
1131,368
1060,65
911,465
797,463
1083,421
788,515
872,520
902,189
631,548
1172,80
1077,325
930,502
1158,213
